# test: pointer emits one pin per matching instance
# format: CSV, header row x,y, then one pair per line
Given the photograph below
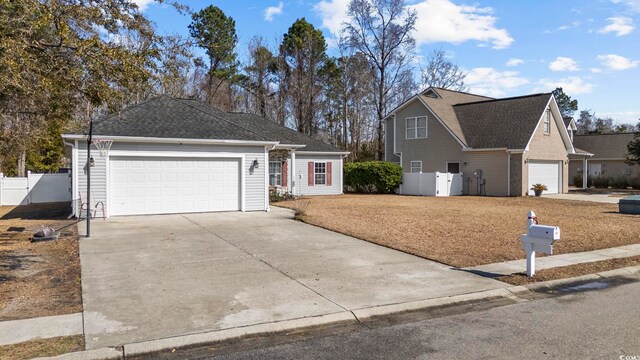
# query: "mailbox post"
x,y
540,238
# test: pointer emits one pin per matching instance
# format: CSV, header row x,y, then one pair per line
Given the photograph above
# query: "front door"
x,y
595,170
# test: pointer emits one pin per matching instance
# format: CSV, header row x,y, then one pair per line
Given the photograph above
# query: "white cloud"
x,y
622,116
596,70
142,4
570,85
562,63
272,11
491,82
333,13
617,62
442,20
514,62
437,20
633,4
620,25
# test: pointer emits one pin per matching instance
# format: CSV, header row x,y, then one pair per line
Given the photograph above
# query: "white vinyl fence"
x,y
35,188
431,184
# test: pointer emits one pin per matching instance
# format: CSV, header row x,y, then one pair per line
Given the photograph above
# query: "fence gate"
x,y
35,188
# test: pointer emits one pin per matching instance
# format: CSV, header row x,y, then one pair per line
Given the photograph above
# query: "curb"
x,y
97,354
152,346
433,303
509,292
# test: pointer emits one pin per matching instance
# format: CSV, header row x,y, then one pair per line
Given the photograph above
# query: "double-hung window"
x,y
416,167
320,173
275,173
547,122
416,127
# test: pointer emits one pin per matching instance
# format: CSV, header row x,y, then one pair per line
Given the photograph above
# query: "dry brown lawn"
x,y
42,278
42,347
468,231
570,271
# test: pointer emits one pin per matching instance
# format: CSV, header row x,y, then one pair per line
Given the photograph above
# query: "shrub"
x,y
577,180
372,176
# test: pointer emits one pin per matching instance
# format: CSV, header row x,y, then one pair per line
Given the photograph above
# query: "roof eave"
x,y
171,140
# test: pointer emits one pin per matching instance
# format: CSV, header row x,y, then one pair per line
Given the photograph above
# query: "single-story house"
x,y
501,146
172,155
608,160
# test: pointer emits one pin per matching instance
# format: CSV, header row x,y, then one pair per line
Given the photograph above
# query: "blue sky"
x,y
508,47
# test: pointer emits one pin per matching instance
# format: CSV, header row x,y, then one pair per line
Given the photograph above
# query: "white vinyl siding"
x,y
301,174
254,178
416,127
416,167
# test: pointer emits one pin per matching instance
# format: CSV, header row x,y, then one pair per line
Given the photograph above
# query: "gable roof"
x,y
501,123
605,146
442,106
172,118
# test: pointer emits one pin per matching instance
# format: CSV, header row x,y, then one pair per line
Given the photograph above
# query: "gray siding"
x,y
389,134
98,174
435,151
254,191
302,176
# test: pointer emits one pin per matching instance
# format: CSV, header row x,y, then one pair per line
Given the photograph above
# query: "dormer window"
x,y
416,127
547,122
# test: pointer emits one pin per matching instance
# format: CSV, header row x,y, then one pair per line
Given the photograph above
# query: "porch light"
x,y
255,164
92,162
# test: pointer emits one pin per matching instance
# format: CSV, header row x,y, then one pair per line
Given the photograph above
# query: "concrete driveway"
x,y
600,198
151,277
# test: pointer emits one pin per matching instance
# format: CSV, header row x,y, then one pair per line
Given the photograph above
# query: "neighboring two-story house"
x,y
501,146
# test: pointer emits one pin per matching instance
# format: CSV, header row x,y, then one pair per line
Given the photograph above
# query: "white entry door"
x,y
547,173
145,185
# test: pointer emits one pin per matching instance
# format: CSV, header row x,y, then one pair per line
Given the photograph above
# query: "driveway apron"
x,y
151,277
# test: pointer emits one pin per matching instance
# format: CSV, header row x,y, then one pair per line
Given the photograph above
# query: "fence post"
x,y
28,187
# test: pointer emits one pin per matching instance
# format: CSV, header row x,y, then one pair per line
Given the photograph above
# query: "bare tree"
x,y
443,73
381,30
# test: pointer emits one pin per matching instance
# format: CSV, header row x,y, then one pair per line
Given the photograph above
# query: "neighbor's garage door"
x,y
173,185
547,173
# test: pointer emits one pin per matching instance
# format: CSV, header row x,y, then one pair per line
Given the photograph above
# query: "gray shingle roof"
x,y
501,123
167,117
443,107
604,146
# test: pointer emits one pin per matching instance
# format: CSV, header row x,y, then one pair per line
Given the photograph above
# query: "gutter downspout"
x,y
508,173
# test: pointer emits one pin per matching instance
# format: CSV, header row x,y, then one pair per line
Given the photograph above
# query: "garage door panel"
x,y
168,185
545,172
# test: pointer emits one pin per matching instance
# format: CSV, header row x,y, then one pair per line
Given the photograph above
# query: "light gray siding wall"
x,y
254,191
302,176
389,134
435,151
98,174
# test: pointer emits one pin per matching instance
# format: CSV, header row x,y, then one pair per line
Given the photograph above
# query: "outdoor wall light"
x,y
526,161
255,164
92,162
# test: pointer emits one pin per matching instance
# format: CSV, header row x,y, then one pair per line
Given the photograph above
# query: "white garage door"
x,y
173,185
547,173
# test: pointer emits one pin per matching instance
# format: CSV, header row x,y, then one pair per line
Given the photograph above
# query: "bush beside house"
x,y
372,177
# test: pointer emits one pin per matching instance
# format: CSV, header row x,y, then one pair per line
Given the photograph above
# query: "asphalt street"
x,y
596,321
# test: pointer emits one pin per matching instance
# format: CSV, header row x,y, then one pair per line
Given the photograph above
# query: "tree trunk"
x,y
22,164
